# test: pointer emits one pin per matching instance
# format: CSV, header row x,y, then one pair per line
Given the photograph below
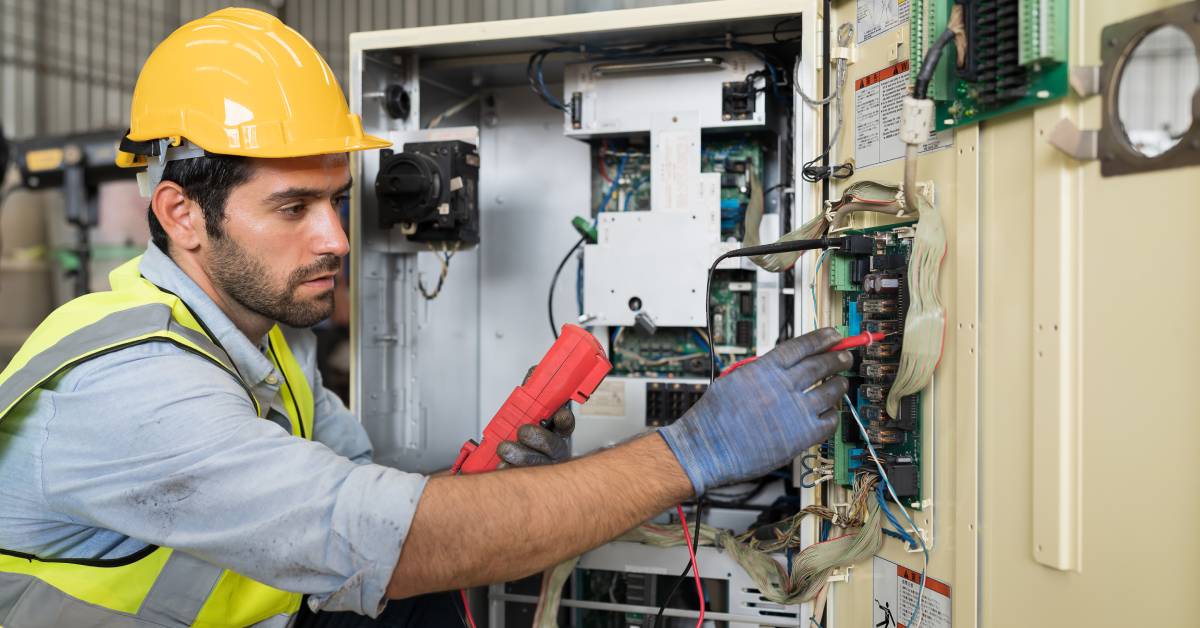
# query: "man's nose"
x,y
329,237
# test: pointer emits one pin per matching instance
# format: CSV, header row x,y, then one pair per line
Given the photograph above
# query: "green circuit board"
x,y
1016,56
872,294
621,176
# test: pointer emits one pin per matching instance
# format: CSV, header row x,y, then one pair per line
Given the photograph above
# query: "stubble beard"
x,y
248,282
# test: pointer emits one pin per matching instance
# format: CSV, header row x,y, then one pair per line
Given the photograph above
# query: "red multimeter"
x,y
570,371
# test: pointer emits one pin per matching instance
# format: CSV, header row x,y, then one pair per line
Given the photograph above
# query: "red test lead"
x,y
849,342
860,340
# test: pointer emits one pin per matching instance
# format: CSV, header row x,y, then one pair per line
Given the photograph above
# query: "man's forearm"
x,y
491,527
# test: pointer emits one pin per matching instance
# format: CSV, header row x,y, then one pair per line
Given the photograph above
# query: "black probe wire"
x,y
748,251
554,282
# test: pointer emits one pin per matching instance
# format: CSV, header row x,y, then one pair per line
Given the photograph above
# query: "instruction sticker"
x,y
607,400
895,589
876,17
878,99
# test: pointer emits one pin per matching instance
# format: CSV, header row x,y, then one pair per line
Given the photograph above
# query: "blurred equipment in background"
x,y
3,157
78,164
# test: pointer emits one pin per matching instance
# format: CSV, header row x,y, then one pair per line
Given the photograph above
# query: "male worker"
x,y
169,457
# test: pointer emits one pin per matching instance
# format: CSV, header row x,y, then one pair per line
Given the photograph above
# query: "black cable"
x,y
774,74
459,607
921,89
827,27
813,173
686,570
738,498
772,188
554,282
786,20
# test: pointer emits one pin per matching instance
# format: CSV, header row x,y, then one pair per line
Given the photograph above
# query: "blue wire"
x,y
616,180
862,429
637,183
704,345
546,92
579,286
901,533
812,287
603,206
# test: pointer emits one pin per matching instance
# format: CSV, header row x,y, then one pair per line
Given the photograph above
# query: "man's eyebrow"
x,y
294,193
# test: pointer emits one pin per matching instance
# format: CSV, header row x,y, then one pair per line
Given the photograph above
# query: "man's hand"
x,y
536,445
763,414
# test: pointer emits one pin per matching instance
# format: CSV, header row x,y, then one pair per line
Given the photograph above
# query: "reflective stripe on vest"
x,y
144,323
156,586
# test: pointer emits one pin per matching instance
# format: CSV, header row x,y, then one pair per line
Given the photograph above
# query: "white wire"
x,y
437,120
916,614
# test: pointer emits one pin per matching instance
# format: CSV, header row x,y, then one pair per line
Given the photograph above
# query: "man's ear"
x,y
180,216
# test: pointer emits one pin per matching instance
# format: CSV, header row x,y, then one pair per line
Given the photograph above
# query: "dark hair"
x,y
207,180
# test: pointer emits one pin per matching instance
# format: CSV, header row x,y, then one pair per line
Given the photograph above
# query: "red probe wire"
x,y
467,608
861,340
849,342
695,566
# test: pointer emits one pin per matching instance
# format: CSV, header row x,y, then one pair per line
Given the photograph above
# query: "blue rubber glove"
x,y
762,415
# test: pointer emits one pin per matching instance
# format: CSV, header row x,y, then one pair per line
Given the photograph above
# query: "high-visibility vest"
x,y
155,586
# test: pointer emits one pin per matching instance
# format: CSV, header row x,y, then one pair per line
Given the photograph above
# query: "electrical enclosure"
x,y
663,155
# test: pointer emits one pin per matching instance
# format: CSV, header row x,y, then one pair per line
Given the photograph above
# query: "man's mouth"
x,y
320,281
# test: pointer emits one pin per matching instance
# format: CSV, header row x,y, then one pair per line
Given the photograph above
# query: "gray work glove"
x,y
536,445
762,415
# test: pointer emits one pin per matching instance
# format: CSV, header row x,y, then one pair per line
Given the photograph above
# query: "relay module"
x,y
871,292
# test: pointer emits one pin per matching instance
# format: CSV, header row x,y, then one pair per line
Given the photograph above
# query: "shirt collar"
x,y
163,272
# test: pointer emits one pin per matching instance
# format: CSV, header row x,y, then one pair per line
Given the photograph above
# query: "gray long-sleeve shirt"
x,y
155,445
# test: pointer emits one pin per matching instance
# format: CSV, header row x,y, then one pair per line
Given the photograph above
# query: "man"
x,y
169,457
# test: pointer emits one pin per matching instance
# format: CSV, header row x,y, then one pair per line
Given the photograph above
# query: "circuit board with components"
x,y
1015,56
621,180
683,351
739,161
871,294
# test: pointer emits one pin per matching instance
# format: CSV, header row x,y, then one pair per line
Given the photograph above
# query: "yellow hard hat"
x,y
239,82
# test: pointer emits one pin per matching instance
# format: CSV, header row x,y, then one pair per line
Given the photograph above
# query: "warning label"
x,y
878,99
895,596
876,17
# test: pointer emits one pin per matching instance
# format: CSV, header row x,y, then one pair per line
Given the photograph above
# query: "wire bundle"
x,y
444,255
809,569
799,580
925,324
863,196
550,596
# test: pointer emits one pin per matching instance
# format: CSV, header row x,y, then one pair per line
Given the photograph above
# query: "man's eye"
x,y
341,201
292,210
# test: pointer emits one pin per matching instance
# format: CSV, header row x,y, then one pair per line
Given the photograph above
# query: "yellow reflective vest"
x,y
156,586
